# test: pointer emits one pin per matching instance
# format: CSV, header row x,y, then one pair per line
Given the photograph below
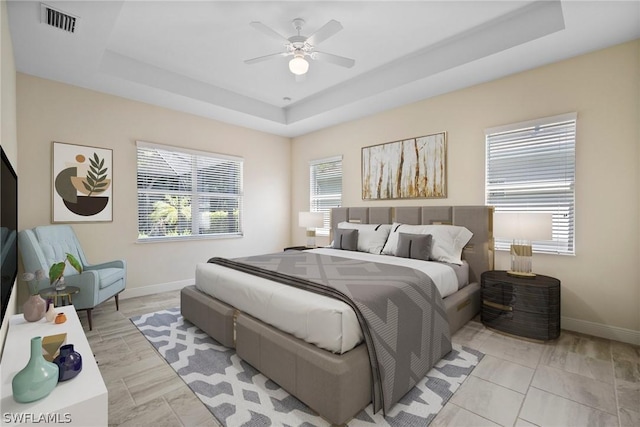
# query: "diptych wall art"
x,y
412,168
82,183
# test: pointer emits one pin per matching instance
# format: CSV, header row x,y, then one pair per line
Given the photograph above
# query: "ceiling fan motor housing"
x,y
298,41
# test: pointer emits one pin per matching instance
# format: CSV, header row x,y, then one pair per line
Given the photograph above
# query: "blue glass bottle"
x,y
37,379
69,362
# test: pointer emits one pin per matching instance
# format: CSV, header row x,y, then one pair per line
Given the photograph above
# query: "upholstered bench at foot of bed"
x,y
335,386
215,318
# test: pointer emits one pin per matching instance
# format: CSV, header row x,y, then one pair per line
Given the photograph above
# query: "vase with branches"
x,y
34,307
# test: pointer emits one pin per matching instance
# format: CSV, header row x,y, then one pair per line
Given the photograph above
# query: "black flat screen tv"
x,y
9,228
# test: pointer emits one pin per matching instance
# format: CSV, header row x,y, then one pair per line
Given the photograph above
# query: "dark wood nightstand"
x,y
525,307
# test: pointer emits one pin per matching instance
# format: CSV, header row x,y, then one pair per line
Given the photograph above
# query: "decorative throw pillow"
x,y
415,246
345,239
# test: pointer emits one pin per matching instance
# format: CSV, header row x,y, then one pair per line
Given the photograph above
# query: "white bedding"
x,y
325,322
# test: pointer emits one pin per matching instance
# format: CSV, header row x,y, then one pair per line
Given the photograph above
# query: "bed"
x,y
334,379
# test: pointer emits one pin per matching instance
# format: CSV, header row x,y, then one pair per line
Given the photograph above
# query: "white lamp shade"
x,y
311,219
298,65
521,225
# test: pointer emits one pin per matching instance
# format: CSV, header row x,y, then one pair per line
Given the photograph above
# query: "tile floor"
x,y
577,380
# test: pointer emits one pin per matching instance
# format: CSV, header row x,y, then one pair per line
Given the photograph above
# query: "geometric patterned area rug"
x,y
238,395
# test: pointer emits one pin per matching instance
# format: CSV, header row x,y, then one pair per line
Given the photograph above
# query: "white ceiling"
x,y
189,55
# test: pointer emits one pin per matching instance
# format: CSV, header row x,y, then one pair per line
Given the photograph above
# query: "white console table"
x,y
80,401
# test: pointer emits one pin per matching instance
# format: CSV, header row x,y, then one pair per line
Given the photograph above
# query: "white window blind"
x,y
185,193
531,168
325,178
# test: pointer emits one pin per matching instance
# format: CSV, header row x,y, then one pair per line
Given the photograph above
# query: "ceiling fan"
x,y
302,47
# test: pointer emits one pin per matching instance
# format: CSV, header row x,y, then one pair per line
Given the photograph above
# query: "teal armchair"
x,y
42,246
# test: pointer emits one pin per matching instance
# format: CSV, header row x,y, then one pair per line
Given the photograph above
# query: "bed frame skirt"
x,y
336,386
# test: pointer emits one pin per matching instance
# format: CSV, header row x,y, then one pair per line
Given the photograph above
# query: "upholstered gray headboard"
x,y
478,219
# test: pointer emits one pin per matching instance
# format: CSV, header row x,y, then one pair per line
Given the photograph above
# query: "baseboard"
x,y
155,289
599,330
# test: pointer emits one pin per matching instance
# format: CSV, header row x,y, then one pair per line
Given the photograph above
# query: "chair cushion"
x,y
109,276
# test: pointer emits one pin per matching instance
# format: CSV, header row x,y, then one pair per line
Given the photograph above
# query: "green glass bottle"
x,y
37,379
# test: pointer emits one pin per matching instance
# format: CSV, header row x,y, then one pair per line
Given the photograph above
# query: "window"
x,y
531,168
325,188
185,194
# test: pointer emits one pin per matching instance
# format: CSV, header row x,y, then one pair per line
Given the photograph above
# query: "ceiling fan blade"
x,y
334,59
268,31
267,57
329,29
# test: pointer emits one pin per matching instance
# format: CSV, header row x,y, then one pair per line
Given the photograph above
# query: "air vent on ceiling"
x,y
58,19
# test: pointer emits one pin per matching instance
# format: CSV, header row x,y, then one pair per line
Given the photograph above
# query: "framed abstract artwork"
x,y
82,183
408,169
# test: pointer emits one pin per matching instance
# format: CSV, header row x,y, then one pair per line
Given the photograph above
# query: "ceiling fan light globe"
x,y
298,66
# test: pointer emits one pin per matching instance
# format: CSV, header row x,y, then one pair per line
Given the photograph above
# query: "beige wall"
x,y
600,285
8,138
601,290
50,111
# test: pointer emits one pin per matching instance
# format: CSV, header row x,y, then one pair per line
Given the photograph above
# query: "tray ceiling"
x,y
189,56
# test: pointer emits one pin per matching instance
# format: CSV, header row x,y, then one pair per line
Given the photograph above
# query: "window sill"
x,y
189,238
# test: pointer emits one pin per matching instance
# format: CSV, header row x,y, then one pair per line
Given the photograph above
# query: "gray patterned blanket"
x,y
399,309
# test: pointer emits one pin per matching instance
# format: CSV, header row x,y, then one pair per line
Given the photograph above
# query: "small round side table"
x,y
63,294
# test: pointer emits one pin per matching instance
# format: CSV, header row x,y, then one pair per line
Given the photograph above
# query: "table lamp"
x,y
522,228
311,221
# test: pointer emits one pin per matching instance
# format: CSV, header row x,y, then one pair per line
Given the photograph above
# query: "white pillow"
x,y
448,240
390,248
371,237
